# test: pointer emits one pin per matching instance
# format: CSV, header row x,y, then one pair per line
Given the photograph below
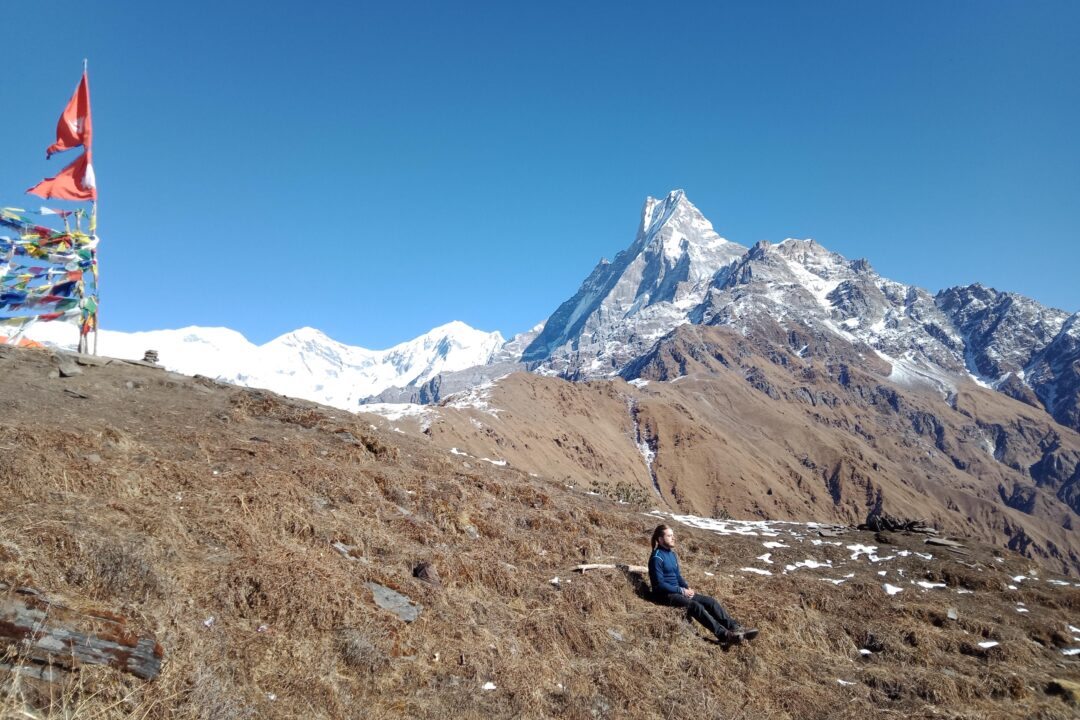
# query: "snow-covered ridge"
x,y
304,363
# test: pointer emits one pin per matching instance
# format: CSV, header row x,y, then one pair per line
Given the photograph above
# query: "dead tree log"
x,y
51,635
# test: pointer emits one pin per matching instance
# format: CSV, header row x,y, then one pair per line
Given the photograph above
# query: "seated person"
x,y
669,588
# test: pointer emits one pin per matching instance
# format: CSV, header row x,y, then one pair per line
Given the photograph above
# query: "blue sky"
x,y
377,169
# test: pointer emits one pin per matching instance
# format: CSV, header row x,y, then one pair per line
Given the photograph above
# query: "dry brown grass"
x,y
208,501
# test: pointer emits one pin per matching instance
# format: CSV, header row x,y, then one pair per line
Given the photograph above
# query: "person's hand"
x,y
688,592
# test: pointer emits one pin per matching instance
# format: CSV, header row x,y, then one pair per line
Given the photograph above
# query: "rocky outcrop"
x,y
433,391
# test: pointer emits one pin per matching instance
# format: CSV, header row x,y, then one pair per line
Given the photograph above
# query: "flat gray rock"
x,y
66,365
92,360
394,601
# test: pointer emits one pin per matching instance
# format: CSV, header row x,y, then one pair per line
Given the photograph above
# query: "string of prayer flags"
x,y
46,275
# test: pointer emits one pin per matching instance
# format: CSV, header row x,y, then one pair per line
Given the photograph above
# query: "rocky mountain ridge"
x,y
648,290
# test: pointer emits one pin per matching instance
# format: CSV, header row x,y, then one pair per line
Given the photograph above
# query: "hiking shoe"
x,y
746,633
726,637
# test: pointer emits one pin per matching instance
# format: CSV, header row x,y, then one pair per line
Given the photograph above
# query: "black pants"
x,y
705,610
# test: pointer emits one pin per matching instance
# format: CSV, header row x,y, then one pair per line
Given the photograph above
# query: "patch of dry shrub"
x,y
361,650
248,404
118,569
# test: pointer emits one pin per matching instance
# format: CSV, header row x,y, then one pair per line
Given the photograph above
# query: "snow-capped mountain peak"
x,y
303,336
673,227
651,284
453,346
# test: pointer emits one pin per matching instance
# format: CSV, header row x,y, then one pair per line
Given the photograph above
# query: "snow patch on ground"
x,y
807,563
397,411
911,373
929,585
759,571
839,581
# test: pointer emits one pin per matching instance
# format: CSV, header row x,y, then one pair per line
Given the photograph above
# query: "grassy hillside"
x,y
241,530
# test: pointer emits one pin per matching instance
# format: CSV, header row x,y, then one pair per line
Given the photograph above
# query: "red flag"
x,y
75,182
73,127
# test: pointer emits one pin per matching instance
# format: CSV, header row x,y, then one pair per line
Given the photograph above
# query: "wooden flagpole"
x,y
97,273
93,254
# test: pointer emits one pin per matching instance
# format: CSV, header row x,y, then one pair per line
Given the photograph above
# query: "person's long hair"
x,y
657,534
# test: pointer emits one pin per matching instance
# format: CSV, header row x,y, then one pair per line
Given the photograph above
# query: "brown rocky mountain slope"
x,y
251,537
754,430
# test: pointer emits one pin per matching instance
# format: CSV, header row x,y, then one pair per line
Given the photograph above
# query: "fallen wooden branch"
x,y
593,566
607,566
47,634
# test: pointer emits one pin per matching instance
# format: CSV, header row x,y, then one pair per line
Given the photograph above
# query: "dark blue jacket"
x,y
664,572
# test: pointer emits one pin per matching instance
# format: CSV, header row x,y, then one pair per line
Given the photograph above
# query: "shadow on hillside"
x,y
640,586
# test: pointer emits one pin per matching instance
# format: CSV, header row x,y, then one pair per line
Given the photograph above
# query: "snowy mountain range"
x,y
303,364
677,270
